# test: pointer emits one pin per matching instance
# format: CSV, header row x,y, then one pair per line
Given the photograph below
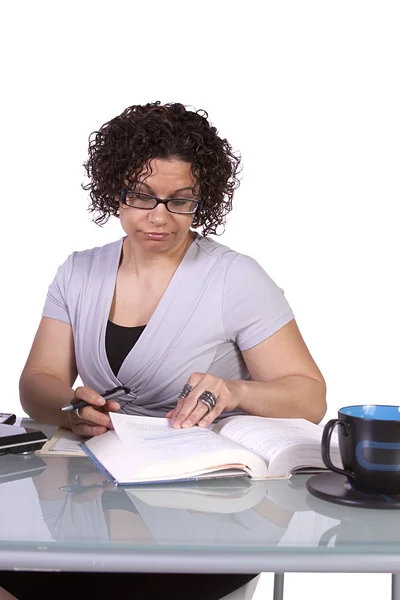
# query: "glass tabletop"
x,y
54,505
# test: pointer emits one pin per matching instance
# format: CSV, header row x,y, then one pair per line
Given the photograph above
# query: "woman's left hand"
x,y
191,410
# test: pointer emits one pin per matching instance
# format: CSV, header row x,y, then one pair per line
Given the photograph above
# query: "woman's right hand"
x,y
93,419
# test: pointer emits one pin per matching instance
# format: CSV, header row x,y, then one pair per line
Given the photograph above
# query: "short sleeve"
x,y
56,306
254,307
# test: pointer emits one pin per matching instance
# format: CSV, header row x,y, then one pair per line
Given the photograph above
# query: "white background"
x,y
307,91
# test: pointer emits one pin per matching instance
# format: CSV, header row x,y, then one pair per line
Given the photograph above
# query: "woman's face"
x,y
159,230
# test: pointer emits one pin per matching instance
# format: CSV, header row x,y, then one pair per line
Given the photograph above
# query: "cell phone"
x,y
7,418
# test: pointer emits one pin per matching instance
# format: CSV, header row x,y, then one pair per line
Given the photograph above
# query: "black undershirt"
x,y
119,342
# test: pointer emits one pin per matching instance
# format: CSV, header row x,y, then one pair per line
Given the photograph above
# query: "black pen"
x,y
107,395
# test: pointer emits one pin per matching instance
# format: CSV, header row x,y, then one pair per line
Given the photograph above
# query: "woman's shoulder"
x,y
80,262
219,251
243,273
98,251
235,261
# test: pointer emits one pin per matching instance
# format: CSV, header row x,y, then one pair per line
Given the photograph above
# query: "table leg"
x,y
395,586
278,587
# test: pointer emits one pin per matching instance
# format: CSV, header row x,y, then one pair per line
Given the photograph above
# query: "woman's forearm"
x,y
41,397
293,396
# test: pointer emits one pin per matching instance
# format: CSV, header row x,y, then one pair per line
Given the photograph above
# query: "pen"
x,y
107,395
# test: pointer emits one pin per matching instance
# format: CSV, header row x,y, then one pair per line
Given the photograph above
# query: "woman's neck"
x,y
141,264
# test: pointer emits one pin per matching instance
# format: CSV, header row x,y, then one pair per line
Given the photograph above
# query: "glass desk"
x,y
59,514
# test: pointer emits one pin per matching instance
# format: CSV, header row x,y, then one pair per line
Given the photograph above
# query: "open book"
x,y
149,450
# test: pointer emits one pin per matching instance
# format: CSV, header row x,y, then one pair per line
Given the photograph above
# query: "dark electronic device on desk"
x,y
19,440
7,418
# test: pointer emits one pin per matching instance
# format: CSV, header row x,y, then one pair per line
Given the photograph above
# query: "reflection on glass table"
x,y
76,503
66,512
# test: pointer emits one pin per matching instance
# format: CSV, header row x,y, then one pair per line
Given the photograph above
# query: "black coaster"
x,y
337,489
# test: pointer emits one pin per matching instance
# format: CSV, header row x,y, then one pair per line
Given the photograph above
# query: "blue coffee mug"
x,y
369,443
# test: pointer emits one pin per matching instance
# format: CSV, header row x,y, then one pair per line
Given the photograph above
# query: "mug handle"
x,y
326,443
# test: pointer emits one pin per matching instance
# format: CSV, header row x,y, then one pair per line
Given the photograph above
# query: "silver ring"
x,y
187,388
206,402
76,412
210,397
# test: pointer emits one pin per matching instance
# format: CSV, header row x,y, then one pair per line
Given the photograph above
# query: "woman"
x,y
192,328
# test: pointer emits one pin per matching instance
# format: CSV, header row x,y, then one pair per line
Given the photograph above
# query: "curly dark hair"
x,y
123,147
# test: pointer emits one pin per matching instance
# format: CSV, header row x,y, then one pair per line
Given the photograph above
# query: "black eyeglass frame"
x,y
158,201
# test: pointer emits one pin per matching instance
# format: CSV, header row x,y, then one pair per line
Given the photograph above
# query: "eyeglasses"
x,y
182,206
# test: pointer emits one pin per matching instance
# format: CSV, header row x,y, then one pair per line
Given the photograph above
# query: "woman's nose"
x,y
158,215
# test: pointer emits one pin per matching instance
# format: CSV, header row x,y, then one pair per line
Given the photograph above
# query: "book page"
x,y
160,440
162,449
268,436
271,438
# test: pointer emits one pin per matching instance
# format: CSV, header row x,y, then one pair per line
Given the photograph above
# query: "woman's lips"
x,y
156,236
